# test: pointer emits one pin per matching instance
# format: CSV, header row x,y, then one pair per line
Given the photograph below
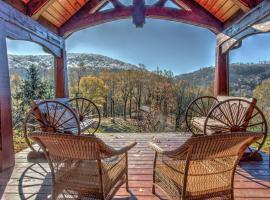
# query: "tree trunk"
x,y
130,107
125,109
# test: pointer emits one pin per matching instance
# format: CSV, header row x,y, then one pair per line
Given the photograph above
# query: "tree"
x,y
29,89
93,88
261,93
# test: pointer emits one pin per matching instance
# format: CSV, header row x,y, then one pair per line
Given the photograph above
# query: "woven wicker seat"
x,y
83,167
202,168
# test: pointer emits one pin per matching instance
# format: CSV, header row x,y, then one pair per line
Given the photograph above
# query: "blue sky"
x,y
168,45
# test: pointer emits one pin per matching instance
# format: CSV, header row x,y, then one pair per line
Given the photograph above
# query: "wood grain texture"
x,y
85,20
221,86
61,76
255,21
6,132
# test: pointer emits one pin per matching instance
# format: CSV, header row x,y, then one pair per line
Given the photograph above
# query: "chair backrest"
x,y
222,145
72,146
213,160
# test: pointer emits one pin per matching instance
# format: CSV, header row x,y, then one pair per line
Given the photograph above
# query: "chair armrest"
x,y
124,149
182,150
158,149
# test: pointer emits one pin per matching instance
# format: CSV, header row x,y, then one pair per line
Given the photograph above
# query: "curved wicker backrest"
x,y
203,167
83,166
212,160
223,145
73,147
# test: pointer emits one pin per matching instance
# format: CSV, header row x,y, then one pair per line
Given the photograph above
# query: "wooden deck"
x,y
31,179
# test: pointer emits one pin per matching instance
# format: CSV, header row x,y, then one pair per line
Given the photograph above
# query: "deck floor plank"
x,y
32,179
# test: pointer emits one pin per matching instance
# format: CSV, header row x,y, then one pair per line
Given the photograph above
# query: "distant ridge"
x,y
243,77
90,60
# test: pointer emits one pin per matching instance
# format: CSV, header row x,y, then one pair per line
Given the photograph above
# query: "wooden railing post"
x,y
221,86
6,134
61,76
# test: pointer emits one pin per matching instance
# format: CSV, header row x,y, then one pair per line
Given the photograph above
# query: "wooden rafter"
x,y
255,21
36,7
82,20
245,5
160,3
117,4
18,4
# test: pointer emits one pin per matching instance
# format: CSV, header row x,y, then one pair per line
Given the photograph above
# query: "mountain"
x,y
243,77
93,62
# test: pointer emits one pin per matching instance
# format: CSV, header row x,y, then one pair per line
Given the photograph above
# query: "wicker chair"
x,y
202,168
83,167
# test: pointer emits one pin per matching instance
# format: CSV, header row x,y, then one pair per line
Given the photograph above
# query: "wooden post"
x,y
6,136
221,73
61,76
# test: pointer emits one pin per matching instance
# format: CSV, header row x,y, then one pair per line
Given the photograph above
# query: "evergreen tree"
x,y
29,89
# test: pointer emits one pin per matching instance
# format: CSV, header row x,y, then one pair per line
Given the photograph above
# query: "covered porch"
x,y
42,22
32,180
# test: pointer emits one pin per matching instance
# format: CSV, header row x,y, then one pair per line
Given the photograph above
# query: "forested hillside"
x,y
243,77
93,63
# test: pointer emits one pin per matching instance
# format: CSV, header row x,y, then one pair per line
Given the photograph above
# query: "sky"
x,y
178,47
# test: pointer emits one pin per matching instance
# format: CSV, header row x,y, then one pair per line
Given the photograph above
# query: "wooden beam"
x,y
36,7
61,76
138,13
47,24
18,4
221,85
21,27
253,22
6,132
160,3
117,4
80,21
243,5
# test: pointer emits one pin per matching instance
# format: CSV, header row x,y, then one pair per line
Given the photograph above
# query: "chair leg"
x,y
127,181
153,189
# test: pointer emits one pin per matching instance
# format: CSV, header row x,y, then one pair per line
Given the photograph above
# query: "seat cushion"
x,y
214,126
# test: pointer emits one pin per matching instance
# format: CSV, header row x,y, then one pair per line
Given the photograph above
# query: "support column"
x,y
6,134
221,86
61,75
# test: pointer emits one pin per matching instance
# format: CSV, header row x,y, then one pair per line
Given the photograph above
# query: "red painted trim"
x,y
78,22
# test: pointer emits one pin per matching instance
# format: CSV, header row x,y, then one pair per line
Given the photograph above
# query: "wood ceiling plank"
x,y
244,5
227,6
37,7
68,6
212,4
218,5
72,4
230,13
61,10
51,19
52,11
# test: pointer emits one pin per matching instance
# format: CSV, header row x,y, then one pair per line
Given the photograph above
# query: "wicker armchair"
x,y
83,167
202,168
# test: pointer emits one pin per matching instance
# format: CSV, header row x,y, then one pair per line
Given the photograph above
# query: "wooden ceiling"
x,y
58,12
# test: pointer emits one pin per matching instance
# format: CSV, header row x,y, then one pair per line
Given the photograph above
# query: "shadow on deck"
x,y
32,180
